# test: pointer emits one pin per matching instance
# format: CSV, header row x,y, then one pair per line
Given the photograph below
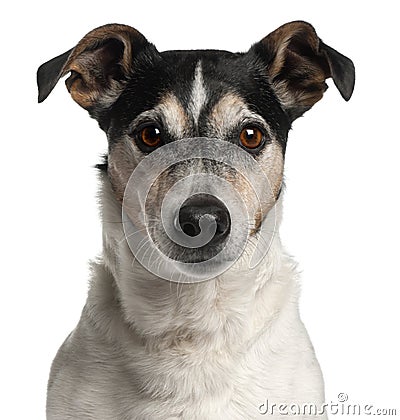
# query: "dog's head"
x,y
146,100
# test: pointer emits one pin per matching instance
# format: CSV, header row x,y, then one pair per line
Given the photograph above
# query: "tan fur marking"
x,y
228,112
228,108
174,114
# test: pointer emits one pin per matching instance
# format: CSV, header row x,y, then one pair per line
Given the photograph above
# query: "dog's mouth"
x,y
195,241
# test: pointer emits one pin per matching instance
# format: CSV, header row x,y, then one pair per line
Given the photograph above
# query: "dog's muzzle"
x,y
187,211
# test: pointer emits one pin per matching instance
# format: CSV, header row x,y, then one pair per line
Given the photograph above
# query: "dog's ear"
x,y
99,65
298,63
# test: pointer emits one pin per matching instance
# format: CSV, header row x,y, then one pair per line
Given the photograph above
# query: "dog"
x,y
149,348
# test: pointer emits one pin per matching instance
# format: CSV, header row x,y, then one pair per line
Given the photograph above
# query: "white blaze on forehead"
x,y
199,94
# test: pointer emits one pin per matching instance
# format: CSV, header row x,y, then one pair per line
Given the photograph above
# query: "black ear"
x,y
298,63
49,73
99,65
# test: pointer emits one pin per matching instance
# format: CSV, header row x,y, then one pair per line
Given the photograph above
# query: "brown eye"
x,y
251,137
150,136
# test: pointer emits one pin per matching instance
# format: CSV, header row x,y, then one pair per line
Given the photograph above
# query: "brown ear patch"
x,y
298,63
95,72
99,64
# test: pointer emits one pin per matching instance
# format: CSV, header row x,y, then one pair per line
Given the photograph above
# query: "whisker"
x,y
126,237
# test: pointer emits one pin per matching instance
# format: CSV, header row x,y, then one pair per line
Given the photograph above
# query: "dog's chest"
x,y
225,386
226,389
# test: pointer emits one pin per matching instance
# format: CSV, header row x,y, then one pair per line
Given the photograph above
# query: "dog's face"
x,y
145,100
188,95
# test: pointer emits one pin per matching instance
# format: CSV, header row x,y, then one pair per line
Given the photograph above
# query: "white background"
x,y
342,204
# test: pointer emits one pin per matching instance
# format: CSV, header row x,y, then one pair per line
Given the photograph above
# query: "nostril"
x,y
189,220
191,229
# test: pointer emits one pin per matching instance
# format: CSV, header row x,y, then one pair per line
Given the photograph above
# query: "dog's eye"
x,y
251,137
150,136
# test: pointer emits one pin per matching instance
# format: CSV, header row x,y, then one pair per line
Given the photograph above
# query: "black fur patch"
x,y
102,166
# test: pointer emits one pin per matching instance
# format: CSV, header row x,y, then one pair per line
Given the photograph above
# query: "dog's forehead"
x,y
197,93
204,80
191,91
198,109
195,86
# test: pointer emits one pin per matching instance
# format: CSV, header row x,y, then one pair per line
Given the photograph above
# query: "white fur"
x,y
146,348
199,94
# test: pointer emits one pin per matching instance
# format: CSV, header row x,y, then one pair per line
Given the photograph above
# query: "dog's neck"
x,y
227,311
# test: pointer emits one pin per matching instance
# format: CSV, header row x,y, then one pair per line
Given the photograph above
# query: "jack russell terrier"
x,y
149,348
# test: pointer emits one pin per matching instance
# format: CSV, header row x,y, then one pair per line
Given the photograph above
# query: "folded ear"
x,y
99,65
298,63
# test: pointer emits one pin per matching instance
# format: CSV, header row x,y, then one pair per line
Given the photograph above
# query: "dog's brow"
x,y
230,111
172,114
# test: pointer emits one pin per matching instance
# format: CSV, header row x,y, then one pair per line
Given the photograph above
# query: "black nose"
x,y
199,205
